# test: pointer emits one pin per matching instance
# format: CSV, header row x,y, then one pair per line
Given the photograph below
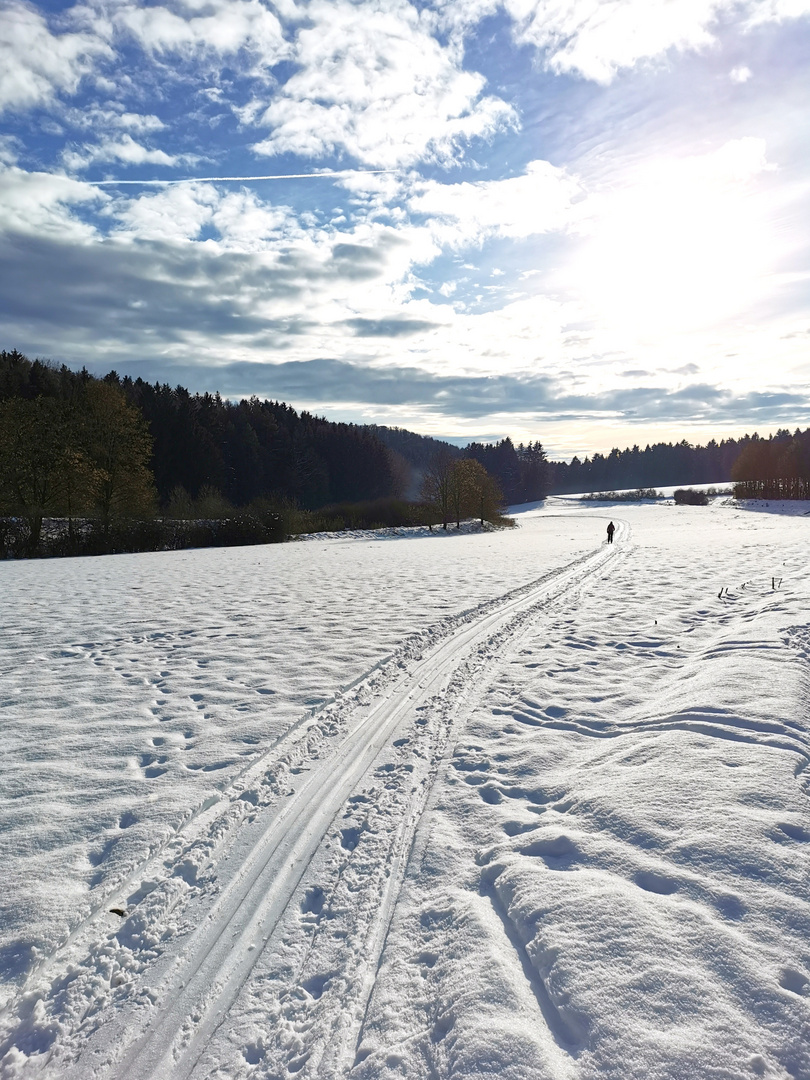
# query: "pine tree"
x,y
44,469
119,446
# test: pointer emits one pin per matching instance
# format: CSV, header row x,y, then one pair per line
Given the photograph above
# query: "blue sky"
x,y
583,221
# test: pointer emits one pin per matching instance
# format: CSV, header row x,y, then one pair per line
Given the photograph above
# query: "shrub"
x,y
60,538
690,497
376,514
621,496
15,538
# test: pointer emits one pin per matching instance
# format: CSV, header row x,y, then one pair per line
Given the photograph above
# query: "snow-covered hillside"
x,y
518,804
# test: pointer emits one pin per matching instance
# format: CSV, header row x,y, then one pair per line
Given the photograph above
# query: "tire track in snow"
x,y
194,992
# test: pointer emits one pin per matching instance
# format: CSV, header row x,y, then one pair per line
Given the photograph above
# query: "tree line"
x,y
660,465
102,451
774,468
521,471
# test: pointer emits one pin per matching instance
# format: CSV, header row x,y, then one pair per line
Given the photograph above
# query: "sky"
x,y
578,221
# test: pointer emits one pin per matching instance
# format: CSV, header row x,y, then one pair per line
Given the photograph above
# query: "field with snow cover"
x,y
515,804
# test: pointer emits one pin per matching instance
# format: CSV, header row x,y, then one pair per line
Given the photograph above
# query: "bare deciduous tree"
x,y
437,485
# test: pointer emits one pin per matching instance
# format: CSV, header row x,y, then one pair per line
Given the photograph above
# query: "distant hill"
x,y
412,454
418,450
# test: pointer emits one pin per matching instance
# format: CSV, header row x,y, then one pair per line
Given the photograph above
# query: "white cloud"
x,y
740,74
261,284
9,149
738,160
761,11
176,214
124,149
375,82
537,202
459,17
104,85
114,117
596,38
243,221
188,27
140,122
40,204
35,64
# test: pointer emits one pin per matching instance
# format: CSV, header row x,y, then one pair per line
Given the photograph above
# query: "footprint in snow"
x,y
656,883
515,828
313,901
795,832
793,980
316,985
96,858
253,1053
349,838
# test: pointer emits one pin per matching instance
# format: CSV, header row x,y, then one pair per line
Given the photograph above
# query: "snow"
x,y
507,803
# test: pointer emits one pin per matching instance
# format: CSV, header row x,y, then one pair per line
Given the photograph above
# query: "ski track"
x,y
492,965
215,901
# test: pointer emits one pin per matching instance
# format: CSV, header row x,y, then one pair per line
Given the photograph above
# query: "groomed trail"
x,y
266,896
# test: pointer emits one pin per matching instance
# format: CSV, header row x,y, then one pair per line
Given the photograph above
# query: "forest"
x,y
759,465
660,465
774,468
200,441
110,456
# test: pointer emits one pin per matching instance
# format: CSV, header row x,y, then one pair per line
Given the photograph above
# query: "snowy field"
x,y
515,804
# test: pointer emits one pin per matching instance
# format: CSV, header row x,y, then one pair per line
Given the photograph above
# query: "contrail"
x,y
239,179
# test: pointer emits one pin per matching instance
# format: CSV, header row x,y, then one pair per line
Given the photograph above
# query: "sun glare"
x,y
686,247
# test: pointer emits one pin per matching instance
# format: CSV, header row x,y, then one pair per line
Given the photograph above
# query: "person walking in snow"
x,y
611,529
